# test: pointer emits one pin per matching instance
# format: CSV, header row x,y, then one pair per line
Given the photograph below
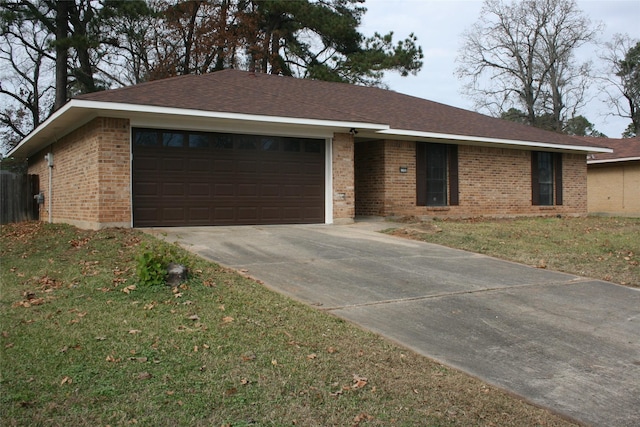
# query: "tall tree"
x,y
25,65
521,55
622,80
305,38
68,37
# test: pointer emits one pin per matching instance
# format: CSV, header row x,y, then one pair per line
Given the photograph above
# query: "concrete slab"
x,y
558,340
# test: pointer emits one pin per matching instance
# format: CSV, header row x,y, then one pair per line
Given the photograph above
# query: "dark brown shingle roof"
x,y
235,91
625,148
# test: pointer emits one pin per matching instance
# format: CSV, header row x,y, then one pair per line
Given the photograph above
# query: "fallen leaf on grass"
x,y
66,380
337,393
361,417
247,357
144,376
134,331
9,345
227,319
358,382
312,356
194,317
128,289
28,303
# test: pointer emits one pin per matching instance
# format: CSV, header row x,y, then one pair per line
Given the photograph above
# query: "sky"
x,y
439,25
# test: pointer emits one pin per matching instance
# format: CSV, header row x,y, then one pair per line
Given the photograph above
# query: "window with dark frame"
x,y
436,174
546,178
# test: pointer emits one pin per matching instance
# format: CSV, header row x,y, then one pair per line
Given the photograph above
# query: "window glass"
x,y
291,145
199,140
145,138
313,146
247,142
269,143
436,175
172,139
222,141
545,177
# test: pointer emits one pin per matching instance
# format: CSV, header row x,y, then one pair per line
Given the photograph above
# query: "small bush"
x,y
152,262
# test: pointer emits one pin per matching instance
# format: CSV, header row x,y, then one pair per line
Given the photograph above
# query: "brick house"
x,y
234,147
613,179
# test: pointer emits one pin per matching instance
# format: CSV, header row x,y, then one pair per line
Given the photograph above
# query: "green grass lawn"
x,y
598,247
84,344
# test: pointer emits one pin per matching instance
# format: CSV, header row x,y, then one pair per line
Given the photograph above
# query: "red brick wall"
x,y
492,182
91,175
343,178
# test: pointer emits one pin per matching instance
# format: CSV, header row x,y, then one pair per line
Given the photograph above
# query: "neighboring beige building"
x,y
613,179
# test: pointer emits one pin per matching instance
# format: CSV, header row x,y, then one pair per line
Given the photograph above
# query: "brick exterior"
x,y
92,179
91,175
343,176
492,182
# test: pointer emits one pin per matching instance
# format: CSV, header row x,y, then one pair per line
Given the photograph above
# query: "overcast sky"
x,y
438,24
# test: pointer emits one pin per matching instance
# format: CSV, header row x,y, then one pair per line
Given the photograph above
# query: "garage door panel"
x,y
174,164
199,189
221,190
199,165
199,214
223,165
270,190
249,189
234,185
173,189
144,164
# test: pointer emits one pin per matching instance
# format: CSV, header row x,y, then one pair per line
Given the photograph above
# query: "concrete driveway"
x,y
560,341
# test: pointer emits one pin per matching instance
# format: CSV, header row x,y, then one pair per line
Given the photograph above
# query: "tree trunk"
x,y
62,26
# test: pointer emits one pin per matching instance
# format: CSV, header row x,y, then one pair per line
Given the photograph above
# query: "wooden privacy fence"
x,y
16,197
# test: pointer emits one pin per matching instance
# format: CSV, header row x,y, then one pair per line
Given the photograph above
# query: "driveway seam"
x,y
574,280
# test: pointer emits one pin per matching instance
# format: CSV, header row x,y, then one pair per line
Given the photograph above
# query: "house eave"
x,y
496,142
618,160
76,113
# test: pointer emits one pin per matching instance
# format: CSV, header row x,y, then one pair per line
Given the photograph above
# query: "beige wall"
x,y
614,188
91,176
492,182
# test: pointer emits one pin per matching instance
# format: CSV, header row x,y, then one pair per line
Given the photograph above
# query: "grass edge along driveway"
x,y
605,248
83,343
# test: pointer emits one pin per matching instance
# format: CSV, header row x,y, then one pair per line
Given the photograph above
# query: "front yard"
x,y
83,343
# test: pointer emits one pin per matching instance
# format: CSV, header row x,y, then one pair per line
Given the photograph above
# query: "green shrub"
x,y
152,263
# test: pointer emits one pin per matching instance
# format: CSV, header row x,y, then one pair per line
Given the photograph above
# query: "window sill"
x,y
438,208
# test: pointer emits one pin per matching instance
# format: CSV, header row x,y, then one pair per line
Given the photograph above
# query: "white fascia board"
x,y
136,108
498,141
621,159
77,112
41,127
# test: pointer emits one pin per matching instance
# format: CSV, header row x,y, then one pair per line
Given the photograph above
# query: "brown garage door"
x,y
188,178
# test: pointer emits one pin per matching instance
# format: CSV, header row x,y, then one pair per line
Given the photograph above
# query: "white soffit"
x,y
480,140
